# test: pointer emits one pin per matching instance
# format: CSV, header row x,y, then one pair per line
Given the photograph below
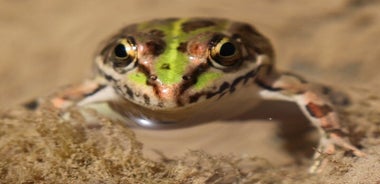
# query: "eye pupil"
x,y
225,52
123,54
227,49
120,51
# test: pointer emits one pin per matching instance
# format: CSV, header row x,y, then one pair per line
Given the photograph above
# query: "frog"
x,y
179,71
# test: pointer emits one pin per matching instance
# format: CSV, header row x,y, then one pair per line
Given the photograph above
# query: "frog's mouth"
x,y
224,88
190,107
183,95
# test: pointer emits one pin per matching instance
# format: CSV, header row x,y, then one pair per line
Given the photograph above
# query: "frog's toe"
x,y
325,148
345,144
318,166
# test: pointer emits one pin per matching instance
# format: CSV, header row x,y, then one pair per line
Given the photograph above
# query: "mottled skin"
x,y
182,71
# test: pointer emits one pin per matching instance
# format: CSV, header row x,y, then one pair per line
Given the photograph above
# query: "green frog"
x,y
180,71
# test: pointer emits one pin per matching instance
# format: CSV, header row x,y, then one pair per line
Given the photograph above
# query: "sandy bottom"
x,y
49,44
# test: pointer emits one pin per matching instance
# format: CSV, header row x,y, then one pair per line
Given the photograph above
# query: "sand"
x,y
49,44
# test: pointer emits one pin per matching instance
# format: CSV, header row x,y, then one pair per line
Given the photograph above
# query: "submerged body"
x,y
183,71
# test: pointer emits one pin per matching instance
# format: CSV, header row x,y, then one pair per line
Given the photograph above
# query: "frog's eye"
x,y
124,53
224,53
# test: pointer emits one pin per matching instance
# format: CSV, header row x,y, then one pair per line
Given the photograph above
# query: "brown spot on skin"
x,y
157,33
193,25
146,99
129,91
318,111
160,104
155,47
194,98
182,47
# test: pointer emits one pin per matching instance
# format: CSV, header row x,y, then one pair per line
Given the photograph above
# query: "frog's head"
x,y
173,63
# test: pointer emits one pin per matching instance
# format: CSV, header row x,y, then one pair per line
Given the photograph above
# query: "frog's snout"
x,y
167,92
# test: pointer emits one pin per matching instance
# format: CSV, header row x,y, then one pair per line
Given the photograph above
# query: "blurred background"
x,y
48,44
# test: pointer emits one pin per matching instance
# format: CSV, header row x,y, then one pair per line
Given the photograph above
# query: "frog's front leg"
x,y
89,90
317,107
91,94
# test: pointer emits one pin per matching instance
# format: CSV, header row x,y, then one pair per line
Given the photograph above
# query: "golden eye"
x,y
124,54
224,52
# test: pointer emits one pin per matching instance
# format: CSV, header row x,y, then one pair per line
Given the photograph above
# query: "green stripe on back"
x,y
171,64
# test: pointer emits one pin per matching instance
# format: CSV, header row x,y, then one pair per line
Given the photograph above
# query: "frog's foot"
x,y
327,147
317,105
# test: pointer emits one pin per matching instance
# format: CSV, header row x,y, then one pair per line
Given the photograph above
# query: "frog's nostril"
x,y
153,77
